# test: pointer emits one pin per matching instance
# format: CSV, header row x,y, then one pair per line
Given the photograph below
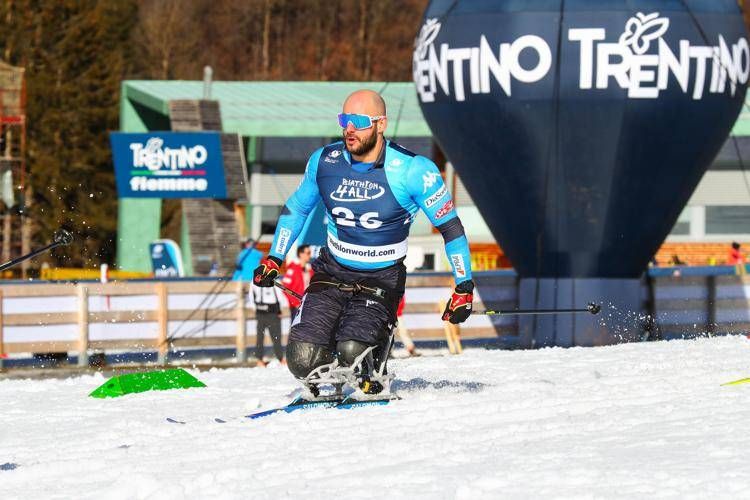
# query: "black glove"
x,y
458,308
267,272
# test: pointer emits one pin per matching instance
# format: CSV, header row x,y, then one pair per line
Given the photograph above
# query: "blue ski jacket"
x,y
370,208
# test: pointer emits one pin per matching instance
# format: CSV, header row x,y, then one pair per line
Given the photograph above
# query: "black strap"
x,y
321,281
380,291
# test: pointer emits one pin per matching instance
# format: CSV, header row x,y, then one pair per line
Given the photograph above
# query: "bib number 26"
x,y
345,217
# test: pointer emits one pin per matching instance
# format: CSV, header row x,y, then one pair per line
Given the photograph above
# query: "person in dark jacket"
x,y
267,318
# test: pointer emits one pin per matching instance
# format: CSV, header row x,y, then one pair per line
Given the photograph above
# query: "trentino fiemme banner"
x,y
169,165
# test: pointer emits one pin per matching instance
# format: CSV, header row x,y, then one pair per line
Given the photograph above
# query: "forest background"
x,y
77,52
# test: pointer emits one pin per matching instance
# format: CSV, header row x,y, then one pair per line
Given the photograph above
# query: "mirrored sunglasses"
x,y
359,122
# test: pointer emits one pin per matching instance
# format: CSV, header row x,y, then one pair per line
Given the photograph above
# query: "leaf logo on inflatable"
x,y
642,29
427,35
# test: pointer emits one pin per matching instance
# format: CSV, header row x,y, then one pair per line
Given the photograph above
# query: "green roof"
x,y
284,109
300,109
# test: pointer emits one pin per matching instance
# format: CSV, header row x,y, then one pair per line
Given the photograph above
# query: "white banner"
x,y
350,251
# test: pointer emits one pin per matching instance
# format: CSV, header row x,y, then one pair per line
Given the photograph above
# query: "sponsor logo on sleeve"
x,y
436,196
394,164
283,241
444,210
429,179
458,265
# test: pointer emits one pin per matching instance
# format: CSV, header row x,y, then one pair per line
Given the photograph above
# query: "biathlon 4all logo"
x,y
158,168
357,190
640,61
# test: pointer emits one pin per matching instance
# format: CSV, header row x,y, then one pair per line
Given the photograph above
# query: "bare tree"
x,y
266,37
166,34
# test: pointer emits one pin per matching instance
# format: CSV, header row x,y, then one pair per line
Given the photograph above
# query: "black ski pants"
x,y
329,315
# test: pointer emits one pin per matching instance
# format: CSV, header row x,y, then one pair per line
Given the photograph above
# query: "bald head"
x,y
365,102
365,143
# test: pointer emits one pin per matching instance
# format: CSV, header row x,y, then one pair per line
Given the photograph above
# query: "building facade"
x,y
281,123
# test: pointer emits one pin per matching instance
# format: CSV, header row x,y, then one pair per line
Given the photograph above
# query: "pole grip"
x,y
283,288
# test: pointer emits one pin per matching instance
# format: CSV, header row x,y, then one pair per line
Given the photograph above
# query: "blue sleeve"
x,y
297,208
429,192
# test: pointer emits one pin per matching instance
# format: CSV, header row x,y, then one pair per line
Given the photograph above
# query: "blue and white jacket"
x,y
370,207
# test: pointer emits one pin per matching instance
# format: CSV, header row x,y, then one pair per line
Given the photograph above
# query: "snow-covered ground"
x,y
637,421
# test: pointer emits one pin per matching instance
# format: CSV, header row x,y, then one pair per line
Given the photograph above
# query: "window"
x,y
729,158
728,220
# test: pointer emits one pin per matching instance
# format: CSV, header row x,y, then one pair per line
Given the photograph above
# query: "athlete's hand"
x,y
458,308
268,270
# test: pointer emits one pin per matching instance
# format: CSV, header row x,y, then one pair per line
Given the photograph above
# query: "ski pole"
x,y
61,237
209,298
281,287
591,308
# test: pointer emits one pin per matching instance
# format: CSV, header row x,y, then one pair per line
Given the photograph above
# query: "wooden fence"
x,y
132,316
688,306
141,315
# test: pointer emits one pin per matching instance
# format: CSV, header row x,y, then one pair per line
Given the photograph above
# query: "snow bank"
x,y
623,421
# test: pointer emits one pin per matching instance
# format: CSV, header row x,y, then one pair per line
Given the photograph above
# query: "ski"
x,y
351,403
338,403
299,404
296,405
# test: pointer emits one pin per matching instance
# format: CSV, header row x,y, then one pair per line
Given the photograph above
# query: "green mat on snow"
x,y
161,380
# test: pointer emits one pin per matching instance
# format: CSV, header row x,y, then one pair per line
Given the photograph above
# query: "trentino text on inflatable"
x,y
581,128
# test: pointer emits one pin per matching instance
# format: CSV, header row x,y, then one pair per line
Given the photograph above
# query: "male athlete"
x,y
372,188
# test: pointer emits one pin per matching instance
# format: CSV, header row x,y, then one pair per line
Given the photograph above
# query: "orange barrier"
x,y
75,274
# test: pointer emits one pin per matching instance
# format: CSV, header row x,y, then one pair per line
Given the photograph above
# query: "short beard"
x,y
367,144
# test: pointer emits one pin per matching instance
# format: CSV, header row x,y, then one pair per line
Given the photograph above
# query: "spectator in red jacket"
x,y
736,258
735,255
297,276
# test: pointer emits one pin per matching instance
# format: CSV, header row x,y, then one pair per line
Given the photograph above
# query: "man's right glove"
x,y
458,308
267,272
